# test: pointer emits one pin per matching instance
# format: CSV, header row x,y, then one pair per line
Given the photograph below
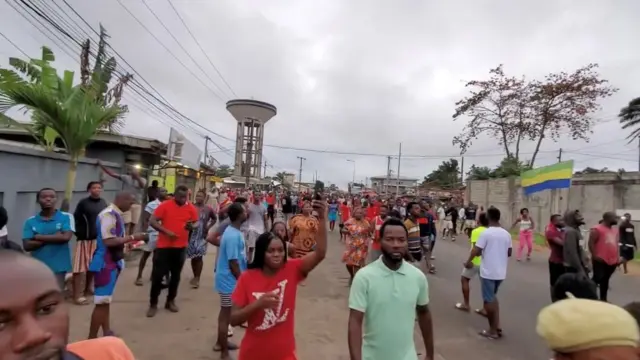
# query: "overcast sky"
x,y
361,76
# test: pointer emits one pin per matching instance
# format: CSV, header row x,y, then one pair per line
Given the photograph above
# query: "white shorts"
x,y
250,239
470,273
150,246
469,224
448,224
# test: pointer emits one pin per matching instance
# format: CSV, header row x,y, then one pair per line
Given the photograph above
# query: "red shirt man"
x,y
271,199
345,212
174,217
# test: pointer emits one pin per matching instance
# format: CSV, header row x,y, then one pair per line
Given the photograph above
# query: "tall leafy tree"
x,y
566,102
496,107
480,173
72,111
630,118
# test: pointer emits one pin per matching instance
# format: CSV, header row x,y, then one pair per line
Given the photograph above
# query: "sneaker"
x,y
152,311
171,306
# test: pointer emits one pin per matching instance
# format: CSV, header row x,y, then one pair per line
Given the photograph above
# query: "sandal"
x,y
230,346
139,282
81,301
480,312
462,307
432,270
487,335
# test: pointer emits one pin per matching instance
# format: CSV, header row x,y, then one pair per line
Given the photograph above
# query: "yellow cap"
x,y
579,324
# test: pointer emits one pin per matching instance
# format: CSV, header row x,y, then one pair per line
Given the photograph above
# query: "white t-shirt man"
x,y
495,243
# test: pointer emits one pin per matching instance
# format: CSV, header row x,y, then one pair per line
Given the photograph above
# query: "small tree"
x,y
496,107
630,118
479,173
224,171
55,102
447,175
566,101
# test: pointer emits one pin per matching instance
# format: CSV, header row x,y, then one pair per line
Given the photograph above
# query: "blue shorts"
x,y
333,216
105,284
489,289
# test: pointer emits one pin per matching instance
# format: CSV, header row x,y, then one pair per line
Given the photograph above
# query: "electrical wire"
x,y
183,48
168,50
201,49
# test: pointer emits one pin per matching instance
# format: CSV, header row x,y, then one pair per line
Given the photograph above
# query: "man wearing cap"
x,y
582,329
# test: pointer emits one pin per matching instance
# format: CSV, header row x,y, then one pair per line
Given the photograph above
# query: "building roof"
x,y
393,177
137,142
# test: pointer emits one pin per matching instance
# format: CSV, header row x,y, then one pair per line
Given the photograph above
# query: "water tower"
x,y
252,115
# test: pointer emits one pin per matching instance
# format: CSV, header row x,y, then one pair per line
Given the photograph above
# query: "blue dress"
x,y
333,212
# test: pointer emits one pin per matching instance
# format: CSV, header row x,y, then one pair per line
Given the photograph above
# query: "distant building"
x,y
405,185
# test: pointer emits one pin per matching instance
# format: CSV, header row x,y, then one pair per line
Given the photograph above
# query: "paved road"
x,y
321,315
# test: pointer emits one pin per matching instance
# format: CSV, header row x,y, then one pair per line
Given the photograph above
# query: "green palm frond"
x,y
630,118
28,69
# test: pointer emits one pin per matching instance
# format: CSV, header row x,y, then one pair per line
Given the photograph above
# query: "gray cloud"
x,y
363,76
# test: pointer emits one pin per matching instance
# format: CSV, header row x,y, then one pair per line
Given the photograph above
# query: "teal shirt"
x,y
388,300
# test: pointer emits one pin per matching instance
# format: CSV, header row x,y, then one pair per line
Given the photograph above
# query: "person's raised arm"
x,y
312,259
108,171
357,308
424,318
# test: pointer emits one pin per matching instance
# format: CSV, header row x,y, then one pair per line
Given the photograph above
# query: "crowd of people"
x,y
267,243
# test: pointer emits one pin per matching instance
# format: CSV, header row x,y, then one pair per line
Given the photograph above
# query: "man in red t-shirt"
x,y
271,207
555,239
173,219
376,223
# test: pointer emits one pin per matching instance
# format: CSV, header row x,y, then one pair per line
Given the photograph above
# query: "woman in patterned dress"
x,y
303,229
358,232
197,247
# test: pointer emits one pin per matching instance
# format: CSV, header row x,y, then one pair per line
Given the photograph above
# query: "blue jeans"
x,y
489,289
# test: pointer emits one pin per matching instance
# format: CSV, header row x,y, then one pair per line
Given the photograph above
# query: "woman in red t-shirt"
x,y
265,295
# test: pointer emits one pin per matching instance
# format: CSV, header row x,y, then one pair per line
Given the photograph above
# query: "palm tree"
x,y
280,176
74,112
630,118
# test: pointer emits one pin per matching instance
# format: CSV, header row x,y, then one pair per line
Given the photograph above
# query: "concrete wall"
x,y
24,171
592,194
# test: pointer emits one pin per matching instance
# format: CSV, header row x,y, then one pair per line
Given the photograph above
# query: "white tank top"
x,y
525,225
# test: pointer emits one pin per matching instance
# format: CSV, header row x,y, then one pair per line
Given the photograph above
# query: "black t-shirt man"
x,y
286,206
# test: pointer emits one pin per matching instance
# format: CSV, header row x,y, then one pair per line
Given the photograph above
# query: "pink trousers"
x,y
526,239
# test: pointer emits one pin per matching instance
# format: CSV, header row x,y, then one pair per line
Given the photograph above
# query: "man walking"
x,y
232,261
255,225
85,216
173,219
133,183
494,244
604,250
385,298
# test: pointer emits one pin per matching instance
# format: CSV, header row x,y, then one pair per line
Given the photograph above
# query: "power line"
x,y
14,44
201,49
167,49
182,47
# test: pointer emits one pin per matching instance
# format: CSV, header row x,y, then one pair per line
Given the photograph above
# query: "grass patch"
x,y
538,239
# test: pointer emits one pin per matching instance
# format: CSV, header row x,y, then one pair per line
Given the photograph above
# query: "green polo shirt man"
x,y
388,300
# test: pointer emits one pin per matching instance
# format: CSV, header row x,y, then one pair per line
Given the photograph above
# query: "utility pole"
x,y
462,171
386,188
560,155
300,172
316,176
206,150
638,153
398,179
265,168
